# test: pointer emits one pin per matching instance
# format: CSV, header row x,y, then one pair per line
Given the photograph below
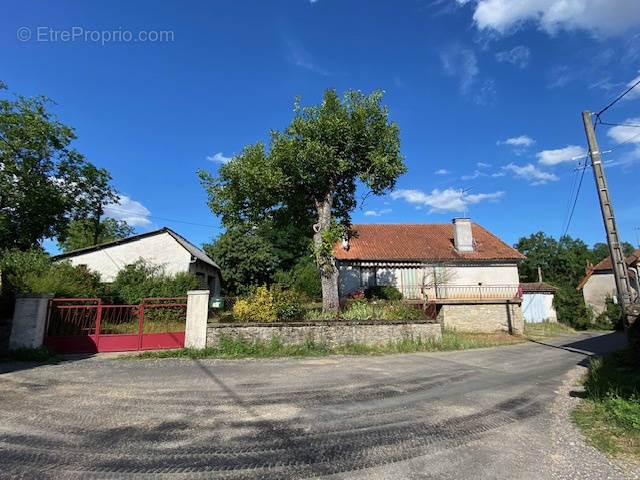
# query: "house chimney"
x,y
462,236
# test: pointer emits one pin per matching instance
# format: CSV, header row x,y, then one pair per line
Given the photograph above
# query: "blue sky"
x,y
487,95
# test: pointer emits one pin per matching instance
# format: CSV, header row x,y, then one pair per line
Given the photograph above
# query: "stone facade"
x,y
486,317
332,333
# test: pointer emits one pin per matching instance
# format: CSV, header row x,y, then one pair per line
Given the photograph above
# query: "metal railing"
x,y
461,292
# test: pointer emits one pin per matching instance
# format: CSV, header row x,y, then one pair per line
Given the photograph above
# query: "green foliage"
x,y
81,233
383,292
38,355
269,304
610,415
15,266
241,348
600,251
310,172
65,280
360,310
571,309
44,183
304,278
140,280
245,258
611,318
257,307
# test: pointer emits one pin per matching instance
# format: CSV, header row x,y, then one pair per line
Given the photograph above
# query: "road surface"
x,y
488,413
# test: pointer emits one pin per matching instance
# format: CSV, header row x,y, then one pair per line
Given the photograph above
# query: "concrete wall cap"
x,y
198,292
35,295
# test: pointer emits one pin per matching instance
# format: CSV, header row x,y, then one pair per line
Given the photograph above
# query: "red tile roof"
x,y
606,263
421,242
537,287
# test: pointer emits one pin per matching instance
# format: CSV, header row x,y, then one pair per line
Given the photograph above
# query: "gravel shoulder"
x,y
486,413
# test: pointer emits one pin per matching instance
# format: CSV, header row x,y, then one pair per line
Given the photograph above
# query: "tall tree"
x,y
245,258
600,251
44,182
81,233
310,173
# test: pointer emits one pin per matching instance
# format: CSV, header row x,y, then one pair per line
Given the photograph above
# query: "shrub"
x,y
15,265
257,307
140,280
611,318
287,304
304,278
571,309
383,292
65,280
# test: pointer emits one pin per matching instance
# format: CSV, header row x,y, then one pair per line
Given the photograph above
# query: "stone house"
x,y
163,248
462,273
599,282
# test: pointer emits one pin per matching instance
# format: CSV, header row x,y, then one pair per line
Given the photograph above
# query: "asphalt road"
x,y
489,413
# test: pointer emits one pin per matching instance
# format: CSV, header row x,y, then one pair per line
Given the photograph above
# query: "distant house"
x,y
163,248
465,273
599,282
537,302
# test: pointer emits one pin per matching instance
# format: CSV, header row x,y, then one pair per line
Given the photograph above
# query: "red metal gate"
x,y
86,325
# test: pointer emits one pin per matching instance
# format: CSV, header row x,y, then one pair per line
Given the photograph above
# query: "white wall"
x,y
596,289
497,274
161,249
210,273
538,307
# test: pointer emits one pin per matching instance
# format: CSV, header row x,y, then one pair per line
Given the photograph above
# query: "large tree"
x,y
310,172
44,182
245,258
82,233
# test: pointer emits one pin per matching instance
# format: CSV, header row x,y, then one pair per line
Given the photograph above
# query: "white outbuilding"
x,y
163,248
537,302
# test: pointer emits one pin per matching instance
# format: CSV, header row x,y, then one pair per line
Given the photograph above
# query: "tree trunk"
x,y
328,276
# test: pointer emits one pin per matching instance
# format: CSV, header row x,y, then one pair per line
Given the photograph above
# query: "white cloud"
x,y
474,175
483,165
461,62
560,155
300,57
521,141
441,201
498,174
131,211
599,17
531,173
442,171
218,157
635,93
377,213
518,56
626,134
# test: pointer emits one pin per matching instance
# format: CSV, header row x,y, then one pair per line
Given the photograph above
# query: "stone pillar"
x,y
195,335
29,320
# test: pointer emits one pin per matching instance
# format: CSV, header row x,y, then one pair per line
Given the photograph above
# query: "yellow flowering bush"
x,y
259,307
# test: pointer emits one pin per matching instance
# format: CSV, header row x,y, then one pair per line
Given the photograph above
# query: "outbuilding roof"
x,y
538,287
421,242
190,247
605,266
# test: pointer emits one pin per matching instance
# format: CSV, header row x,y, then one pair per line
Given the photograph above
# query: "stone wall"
x,y
484,317
332,333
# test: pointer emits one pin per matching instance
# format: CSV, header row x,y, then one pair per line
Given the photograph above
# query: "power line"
x,y
138,214
575,201
618,98
635,125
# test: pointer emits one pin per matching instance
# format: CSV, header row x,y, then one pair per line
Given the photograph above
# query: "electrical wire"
x,y
635,125
130,212
575,201
618,98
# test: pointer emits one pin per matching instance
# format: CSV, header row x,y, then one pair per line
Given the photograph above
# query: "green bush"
x,y
304,278
15,265
611,318
269,304
383,292
65,280
571,309
140,280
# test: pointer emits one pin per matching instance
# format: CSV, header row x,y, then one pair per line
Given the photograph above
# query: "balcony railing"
x,y
461,292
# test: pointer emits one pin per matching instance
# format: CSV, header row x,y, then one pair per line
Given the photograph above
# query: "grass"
x,y
38,355
546,329
609,416
241,348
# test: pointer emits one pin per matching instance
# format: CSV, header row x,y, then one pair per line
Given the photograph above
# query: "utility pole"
x,y
613,240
